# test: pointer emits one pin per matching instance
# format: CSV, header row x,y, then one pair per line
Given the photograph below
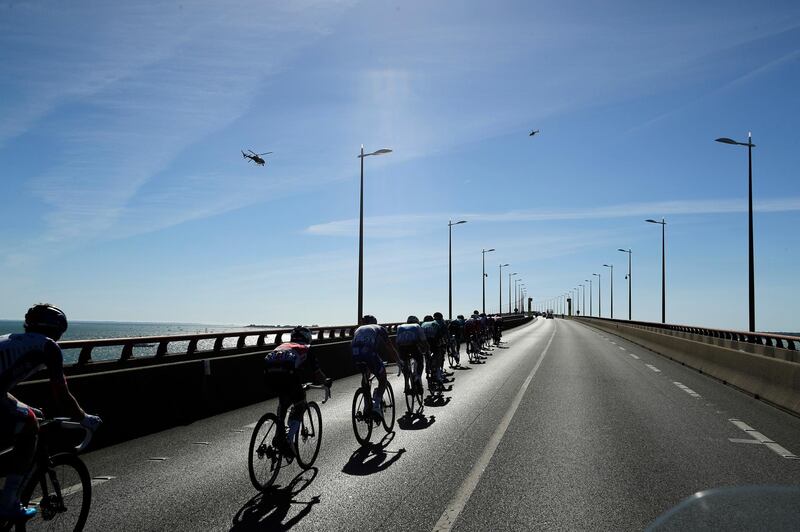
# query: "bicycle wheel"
x,y
387,407
263,458
451,355
309,438
409,387
362,420
62,493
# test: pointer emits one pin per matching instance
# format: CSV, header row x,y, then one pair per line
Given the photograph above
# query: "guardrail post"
x,y
192,347
85,355
218,343
127,352
162,349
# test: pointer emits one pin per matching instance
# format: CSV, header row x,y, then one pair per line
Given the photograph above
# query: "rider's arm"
x,y
317,374
388,347
54,360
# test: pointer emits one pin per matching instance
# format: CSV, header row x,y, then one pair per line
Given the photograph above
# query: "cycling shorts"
x,y
13,417
371,360
410,351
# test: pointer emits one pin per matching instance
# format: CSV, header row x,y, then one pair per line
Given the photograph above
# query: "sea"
x,y
85,330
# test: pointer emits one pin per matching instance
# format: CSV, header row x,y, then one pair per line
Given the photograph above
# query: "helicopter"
x,y
533,132
255,157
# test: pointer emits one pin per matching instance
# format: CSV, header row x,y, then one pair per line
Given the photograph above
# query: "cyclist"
x,y
471,330
21,355
456,330
484,329
444,338
284,366
412,343
370,342
434,333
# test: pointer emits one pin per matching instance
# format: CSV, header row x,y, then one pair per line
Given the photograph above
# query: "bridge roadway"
x,y
606,435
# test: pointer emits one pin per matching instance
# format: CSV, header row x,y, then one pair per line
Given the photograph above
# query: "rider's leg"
x,y
23,435
296,396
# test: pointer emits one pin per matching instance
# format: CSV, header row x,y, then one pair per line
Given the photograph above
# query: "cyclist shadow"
x,y
372,458
269,509
436,400
415,421
461,368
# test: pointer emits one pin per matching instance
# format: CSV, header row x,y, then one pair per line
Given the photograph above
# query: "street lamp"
x,y
591,310
751,259
382,151
628,251
663,270
483,278
612,288
450,225
599,295
500,278
583,305
509,290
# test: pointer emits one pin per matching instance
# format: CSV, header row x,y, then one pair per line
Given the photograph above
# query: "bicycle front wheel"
x,y
362,416
263,458
387,406
62,493
309,438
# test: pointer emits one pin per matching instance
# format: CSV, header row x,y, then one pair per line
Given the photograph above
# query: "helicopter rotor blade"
x,y
265,153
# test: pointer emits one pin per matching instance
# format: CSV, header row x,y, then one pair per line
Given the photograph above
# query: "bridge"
x,y
569,424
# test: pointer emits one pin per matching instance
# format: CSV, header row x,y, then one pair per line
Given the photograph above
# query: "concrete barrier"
x,y
144,399
772,379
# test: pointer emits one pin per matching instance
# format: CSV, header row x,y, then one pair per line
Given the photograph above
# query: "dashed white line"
x,y
653,368
686,389
633,356
65,492
251,425
622,348
759,438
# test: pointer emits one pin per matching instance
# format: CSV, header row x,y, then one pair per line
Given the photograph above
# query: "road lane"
x,y
599,440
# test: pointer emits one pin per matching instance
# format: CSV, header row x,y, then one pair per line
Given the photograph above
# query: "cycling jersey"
x,y
291,356
433,332
23,354
411,334
471,326
369,343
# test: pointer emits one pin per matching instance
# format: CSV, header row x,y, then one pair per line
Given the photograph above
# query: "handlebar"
x,y
69,424
309,386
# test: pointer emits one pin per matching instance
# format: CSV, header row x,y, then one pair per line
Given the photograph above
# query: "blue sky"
x,y
126,198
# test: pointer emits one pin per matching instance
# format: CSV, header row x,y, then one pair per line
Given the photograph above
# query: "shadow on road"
x,y
436,400
415,421
269,510
372,458
462,368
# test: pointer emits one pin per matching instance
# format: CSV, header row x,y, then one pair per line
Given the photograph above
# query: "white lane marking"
x,y
251,425
760,439
743,440
633,356
613,342
653,368
456,505
686,389
622,348
77,488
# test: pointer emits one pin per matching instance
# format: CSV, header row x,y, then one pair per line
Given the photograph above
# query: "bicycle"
x,y
453,352
413,388
267,452
57,483
473,349
362,416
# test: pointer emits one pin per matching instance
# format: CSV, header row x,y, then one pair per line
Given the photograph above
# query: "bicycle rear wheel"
x,y
62,493
263,458
387,407
361,416
309,438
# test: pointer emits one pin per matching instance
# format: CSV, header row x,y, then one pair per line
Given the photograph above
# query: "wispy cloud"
x,y
406,225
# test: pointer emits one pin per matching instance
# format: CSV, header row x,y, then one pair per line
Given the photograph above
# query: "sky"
x,y
126,198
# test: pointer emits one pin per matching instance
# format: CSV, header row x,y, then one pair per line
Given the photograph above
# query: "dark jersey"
x,y
22,355
370,339
291,356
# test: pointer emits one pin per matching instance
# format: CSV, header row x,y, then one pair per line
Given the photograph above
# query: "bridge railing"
x,y
157,348
791,343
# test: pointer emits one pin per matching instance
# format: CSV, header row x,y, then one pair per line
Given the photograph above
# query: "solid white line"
x,y
456,505
653,368
633,356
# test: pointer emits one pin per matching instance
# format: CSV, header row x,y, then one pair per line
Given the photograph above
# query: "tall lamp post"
x,y
612,288
591,310
450,225
663,269
599,295
583,305
751,259
628,251
500,280
361,231
510,275
483,255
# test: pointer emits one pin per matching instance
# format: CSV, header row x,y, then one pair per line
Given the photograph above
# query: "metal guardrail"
x,y
206,344
780,341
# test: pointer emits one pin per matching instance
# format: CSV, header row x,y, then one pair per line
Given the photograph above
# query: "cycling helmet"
x,y
437,316
428,317
46,319
301,335
460,317
368,319
474,312
412,319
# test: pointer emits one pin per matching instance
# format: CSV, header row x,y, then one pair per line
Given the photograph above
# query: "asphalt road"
x,y
563,427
